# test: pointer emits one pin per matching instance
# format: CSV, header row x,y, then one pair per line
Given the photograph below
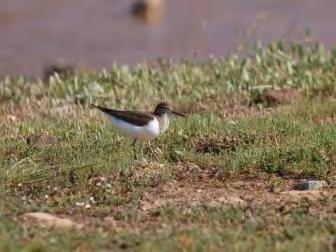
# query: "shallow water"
x,y
94,34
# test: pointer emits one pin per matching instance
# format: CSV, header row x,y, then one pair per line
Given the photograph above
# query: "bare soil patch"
x,y
49,221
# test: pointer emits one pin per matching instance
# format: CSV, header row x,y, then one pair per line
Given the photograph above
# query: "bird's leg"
x,y
138,158
134,149
141,158
142,152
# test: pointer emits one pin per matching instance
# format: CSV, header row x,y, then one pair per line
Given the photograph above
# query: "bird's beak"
x,y
178,114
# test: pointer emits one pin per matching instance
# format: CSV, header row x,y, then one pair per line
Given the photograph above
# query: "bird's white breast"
x,y
142,133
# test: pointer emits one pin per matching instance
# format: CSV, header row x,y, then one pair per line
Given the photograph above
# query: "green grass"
x,y
224,148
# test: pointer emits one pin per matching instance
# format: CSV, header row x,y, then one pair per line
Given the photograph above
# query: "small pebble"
x,y
310,185
80,204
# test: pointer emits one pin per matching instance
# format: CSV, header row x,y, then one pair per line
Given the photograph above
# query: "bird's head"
x,y
164,108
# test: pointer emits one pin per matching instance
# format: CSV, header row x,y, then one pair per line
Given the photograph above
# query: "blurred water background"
x,y
92,34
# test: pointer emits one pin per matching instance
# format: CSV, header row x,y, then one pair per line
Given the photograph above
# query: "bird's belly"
x,y
141,133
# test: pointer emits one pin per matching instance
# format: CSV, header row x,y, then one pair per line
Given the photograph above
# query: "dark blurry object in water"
x,y
62,70
269,96
41,139
148,11
282,96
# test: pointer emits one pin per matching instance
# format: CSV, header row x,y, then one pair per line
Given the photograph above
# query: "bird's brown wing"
x,y
133,117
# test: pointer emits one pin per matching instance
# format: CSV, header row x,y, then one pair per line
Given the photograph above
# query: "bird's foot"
x,y
153,153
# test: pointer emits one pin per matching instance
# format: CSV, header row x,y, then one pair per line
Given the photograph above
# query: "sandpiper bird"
x,y
141,126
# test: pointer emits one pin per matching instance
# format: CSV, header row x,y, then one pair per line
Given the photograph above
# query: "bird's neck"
x,y
163,122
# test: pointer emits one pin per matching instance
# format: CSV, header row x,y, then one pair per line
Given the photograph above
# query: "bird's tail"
x,y
103,109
